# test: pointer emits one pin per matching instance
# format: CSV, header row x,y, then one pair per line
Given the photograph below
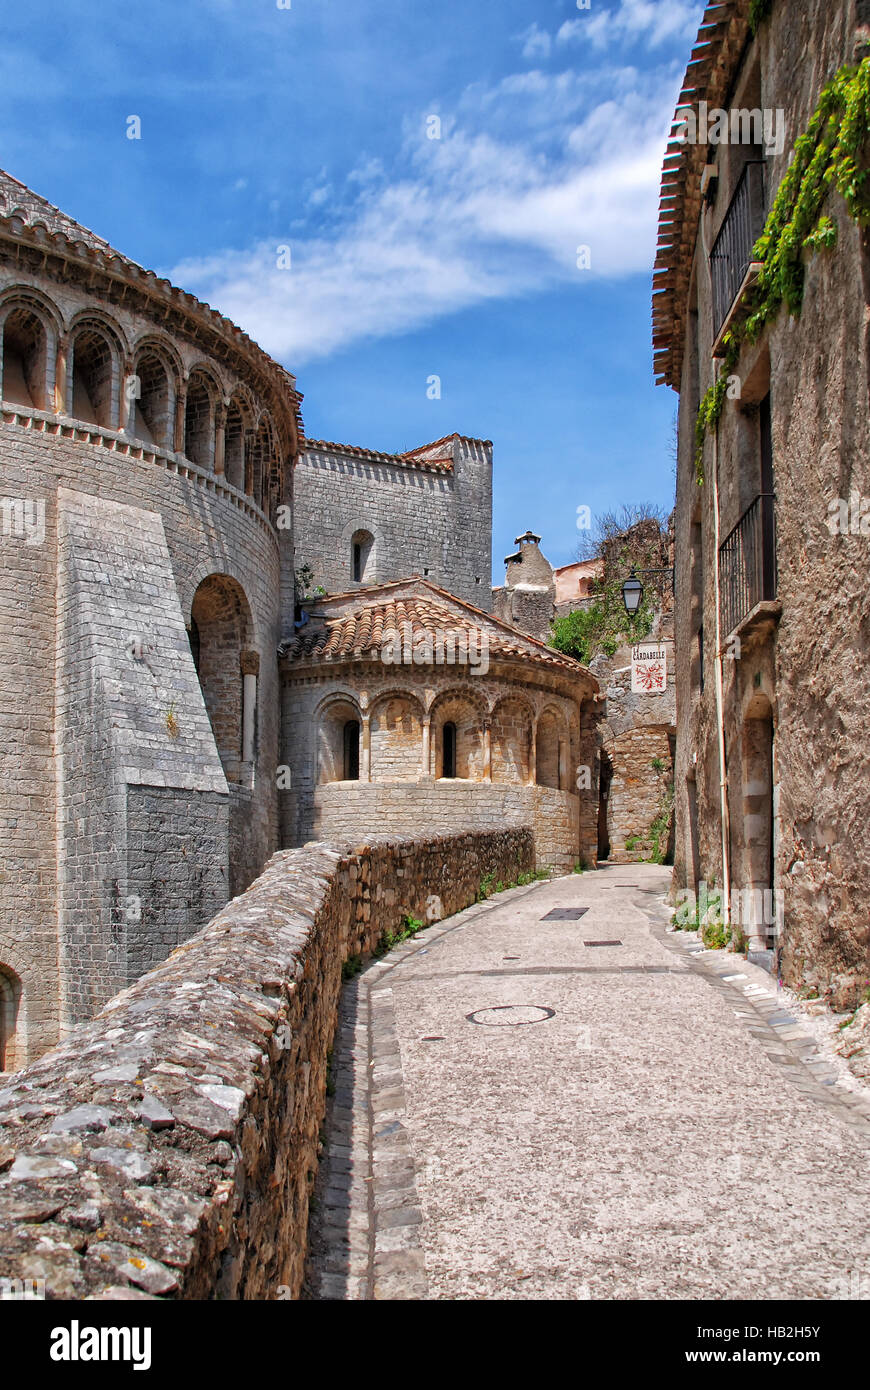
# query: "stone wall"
x,y
638,733
428,521
803,672
449,805
204,528
169,1146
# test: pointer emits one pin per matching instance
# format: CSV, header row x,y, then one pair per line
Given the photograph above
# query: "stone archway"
x,y
550,749
511,741
396,739
338,742
221,640
458,722
11,1054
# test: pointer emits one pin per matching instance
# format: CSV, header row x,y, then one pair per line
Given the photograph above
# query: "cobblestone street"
x,y
535,1104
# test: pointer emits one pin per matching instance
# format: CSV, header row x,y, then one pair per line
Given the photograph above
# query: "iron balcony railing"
x,y
747,562
731,256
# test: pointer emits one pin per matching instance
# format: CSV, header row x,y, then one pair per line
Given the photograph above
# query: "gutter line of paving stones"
x,y
365,1230
755,1005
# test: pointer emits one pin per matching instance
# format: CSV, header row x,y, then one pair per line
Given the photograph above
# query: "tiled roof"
x,y
447,439
377,615
714,59
443,464
17,200
25,216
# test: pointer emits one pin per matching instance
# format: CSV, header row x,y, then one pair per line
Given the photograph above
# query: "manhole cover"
x,y
602,943
564,914
511,1015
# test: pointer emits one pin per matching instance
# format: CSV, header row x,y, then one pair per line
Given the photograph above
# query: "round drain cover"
x,y
511,1015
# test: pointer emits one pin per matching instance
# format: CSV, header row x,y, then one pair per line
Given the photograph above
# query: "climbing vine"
x,y
759,11
830,154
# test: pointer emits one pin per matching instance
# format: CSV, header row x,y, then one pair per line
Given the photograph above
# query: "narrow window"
x,y
351,751
361,565
449,751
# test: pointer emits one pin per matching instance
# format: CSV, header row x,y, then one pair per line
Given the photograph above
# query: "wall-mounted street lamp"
x,y
632,589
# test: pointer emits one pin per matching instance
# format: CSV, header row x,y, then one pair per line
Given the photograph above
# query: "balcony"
x,y
732,268
747,568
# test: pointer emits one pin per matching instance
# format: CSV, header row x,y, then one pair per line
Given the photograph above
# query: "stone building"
x,y
363,517
527,598
772,613
407,710
152,532
630,791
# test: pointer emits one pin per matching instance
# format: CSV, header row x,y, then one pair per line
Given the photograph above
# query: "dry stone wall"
x,y
168,1148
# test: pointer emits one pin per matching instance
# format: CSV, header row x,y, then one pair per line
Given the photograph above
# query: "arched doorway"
x,y
605,777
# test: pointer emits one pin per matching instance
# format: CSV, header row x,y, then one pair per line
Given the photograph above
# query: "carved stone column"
x,y
180,412
426,755
61,404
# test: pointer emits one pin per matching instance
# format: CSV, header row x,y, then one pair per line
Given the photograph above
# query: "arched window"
x,y
24,358
448,756
361,547
351,750
262,469
152,414
199,422
92,378
10,997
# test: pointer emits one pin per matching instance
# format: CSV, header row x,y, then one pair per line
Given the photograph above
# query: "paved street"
x,y
638,1119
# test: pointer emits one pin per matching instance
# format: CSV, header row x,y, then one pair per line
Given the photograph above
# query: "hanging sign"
x,y
649,670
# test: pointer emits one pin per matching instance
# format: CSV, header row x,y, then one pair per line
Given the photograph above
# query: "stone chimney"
x,y
528,597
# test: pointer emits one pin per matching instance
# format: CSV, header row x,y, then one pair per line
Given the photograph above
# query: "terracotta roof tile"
x,y
363,631
721,39
443,464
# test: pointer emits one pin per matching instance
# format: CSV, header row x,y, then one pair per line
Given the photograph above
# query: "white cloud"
x,y
474,216
653,21
536,42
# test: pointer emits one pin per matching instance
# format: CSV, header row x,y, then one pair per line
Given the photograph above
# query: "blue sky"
x,y
410,256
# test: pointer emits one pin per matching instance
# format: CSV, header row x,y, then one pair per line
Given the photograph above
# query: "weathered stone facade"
x,y
636,759
146,446
772,607
168,1148
366,518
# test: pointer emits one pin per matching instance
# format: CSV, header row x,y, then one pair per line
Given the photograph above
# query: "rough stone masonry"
x,y
168,1148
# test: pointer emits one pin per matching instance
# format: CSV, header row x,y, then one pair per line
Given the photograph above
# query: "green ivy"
x,y
828,155
759,11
